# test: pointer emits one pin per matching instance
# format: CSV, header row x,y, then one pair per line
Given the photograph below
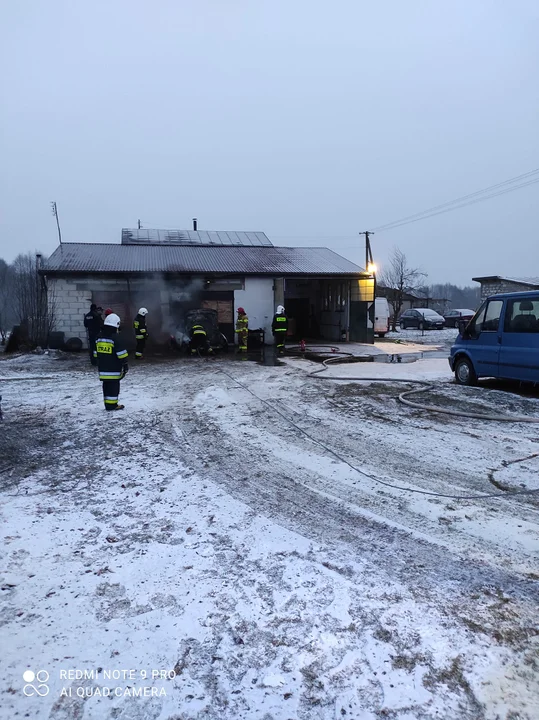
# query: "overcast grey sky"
x,y
308,119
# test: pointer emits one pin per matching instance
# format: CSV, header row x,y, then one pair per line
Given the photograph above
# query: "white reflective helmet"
x,y
280,310
112,320
143,312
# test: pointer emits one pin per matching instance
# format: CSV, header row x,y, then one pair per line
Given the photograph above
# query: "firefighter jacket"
x,y
111,358
93,322
242,324
139,324
279,326
197,330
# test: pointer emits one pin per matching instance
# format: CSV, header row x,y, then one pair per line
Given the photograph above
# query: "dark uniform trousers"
x,y
91,348
111,393
141,344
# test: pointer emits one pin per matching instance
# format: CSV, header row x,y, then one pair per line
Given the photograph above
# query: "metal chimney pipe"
x,y
195,224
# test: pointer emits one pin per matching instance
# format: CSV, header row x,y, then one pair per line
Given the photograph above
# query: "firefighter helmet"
x,y
143,312
112,320
241,311
280,310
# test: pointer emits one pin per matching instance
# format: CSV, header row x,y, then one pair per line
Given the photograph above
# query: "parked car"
x,y
422,319
179,340
501,341
458,318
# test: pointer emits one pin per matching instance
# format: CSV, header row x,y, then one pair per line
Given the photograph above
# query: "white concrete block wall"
x,y
257,299
502,286
69,306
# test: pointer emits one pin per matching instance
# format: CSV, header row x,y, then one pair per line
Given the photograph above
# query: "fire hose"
x,y
346,357
340,357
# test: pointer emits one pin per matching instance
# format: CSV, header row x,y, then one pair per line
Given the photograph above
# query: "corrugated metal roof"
x,y
146,236
102,258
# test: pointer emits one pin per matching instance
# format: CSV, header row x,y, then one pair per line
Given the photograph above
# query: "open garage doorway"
x,y
318,309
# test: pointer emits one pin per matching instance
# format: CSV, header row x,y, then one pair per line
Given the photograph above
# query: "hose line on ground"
x,y
24,379
343,357
369,475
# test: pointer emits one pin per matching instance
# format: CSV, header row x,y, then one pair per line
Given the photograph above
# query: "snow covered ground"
x,y
248,542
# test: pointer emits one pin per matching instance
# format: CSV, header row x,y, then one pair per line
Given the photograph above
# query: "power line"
x,y
505,191
467,197
503,187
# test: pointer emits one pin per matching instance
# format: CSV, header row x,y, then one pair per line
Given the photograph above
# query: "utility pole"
x,y
139,224
370,268
368,252
55,213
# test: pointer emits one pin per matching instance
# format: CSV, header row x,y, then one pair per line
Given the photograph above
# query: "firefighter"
x,y
93,322
279,326
141,334
198,341
111,361
242,328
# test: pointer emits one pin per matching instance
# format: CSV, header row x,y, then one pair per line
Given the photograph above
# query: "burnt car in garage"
x,y
179,339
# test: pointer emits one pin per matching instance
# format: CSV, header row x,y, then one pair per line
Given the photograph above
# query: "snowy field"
x,y
250,543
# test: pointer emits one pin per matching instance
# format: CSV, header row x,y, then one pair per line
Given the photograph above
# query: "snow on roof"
x,y
534,281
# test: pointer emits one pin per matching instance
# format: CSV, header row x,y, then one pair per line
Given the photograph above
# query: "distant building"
x,y
326,296
493,284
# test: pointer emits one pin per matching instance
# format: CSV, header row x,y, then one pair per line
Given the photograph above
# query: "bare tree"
x,y
399,278
31,303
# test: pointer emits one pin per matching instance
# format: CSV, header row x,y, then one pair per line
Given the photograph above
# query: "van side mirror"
x,y
471,332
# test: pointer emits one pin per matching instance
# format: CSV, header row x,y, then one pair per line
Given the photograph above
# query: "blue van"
x,y
501,340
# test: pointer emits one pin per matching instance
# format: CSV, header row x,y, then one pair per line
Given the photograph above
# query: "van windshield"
x,y
487,318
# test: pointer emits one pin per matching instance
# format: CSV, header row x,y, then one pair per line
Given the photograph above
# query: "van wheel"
x,y
465,373
381,335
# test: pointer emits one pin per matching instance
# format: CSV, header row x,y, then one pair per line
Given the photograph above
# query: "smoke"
x,y
168,299
183,297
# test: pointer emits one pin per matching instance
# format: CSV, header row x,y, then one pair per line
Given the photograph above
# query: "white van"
x,y
381,316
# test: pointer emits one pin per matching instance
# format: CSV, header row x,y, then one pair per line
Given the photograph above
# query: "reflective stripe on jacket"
x,y
139,324
279,324
197,330
242,324
110,361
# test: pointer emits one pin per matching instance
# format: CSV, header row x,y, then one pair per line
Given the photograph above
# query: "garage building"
x,y
326,296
